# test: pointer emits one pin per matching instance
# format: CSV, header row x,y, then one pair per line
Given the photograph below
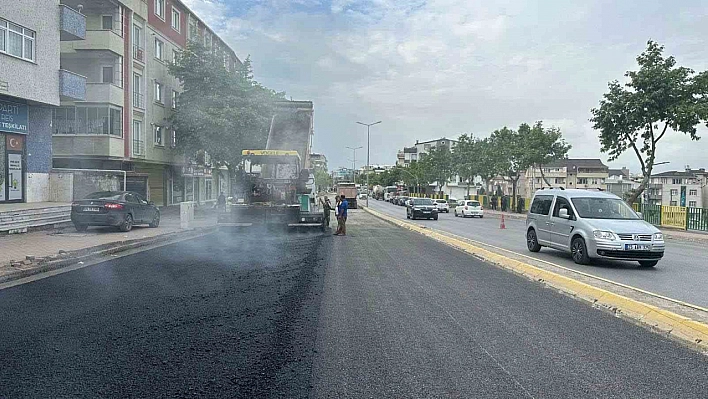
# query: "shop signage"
x,y
13,117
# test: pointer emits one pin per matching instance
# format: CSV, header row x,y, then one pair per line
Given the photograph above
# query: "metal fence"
x,y
679,217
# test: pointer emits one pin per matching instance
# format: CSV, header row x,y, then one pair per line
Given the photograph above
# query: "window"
x,y
207,40
691,204
176,19
160,8
107,22
582,180
208,187
693,192
541,204
175,54
138,91
674,191
16,40
676,181
672,203
87,120
562,203
158,92
159,46
138,43
107,74
158,135
193,31
559,180
137,137
175,94
173,139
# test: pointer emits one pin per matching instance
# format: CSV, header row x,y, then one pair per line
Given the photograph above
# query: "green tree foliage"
x,y
219,111
508,154
542,145
417,176
437,166
323,180
466,159
658,98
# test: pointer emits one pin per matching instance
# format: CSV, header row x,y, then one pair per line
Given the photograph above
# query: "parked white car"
x,y
442,205
469,208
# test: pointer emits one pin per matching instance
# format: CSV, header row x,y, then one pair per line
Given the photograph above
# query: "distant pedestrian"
x,y
221,202
342,216
494,202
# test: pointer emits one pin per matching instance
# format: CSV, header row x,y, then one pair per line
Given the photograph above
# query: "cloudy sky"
x,y
438,68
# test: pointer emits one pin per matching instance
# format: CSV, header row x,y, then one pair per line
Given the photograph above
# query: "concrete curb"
x,y
96,252
668,323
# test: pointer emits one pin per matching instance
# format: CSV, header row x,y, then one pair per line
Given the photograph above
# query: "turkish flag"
x,y
15,142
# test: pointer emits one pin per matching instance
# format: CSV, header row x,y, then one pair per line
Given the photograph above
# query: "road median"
x,y
684,322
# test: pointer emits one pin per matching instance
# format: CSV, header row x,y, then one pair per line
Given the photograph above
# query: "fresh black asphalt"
x,y
380,313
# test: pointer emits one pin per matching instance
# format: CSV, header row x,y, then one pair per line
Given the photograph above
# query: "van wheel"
x,y
648,263
532,241
579,251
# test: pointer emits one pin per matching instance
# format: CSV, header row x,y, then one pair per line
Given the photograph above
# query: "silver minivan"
x,y
591,225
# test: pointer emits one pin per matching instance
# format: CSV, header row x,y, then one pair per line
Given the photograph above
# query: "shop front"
x,y
13,130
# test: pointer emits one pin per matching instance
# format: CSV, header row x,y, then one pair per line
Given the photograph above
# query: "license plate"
x,y
91,209
637,247
426,211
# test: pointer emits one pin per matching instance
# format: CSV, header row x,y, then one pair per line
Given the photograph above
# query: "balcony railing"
x,y
138,53
72,24
72,86
138,100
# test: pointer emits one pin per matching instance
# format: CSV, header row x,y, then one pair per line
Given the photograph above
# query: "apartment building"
x,y
123,123
679,188
619,182
568,173
31,85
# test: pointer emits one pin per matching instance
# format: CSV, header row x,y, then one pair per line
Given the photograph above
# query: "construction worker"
x,y
327,208
342,216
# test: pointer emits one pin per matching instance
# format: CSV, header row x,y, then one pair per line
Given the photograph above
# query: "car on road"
x,y
591,225
469,208
421,208
122,209
402,200
452,202
442,205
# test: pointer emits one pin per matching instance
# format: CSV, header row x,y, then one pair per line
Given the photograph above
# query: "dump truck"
x,y
349,190
276,184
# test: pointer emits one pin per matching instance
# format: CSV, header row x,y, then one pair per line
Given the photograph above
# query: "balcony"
x,y
96,40
72,24
104,93
87,145
72,86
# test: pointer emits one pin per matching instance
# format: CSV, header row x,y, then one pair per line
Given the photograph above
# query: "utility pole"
x,y
368,148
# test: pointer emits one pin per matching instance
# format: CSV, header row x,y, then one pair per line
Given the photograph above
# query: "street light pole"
x,y
354,163
368,147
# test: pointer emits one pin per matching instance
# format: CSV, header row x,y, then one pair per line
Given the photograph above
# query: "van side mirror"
x,y
563,214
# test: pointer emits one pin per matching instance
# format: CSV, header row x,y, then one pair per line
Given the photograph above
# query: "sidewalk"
x,y
16,248
670,233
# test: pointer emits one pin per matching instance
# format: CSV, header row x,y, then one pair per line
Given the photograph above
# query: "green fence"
x,y
652,214
697,219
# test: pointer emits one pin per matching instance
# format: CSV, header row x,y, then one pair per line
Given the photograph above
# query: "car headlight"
x,y
604,235
658,236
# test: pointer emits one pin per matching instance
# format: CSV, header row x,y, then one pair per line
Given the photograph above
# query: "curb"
x,y
69,258
668,323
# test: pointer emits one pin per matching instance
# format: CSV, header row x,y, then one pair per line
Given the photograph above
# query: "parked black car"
x,y
122,209
421,208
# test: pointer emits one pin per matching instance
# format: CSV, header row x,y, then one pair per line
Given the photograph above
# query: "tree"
x,y
509,155
415,175
323,180
486,167
467,158
542,145
221,112
438,165
660,97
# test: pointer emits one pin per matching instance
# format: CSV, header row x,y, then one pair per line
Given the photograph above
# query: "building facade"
x,y
123,124
567,173
620,183
32,84
687,188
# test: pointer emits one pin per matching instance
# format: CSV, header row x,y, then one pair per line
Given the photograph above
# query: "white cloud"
x,y
443,67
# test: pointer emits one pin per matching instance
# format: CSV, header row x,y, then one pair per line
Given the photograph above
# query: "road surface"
x,y
380,313
682,274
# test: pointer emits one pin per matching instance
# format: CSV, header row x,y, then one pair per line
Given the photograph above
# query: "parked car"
x,y
452,202
591,225
442,205
421,208
471,208
122,209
